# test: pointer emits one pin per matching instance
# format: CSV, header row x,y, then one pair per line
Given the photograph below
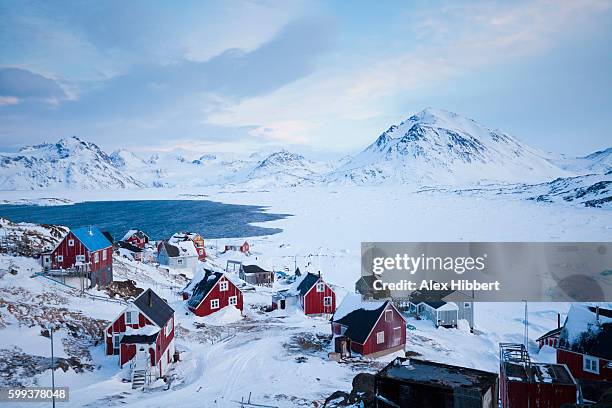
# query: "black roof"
x,y
426,296
201,289
308,282
172,250
550,333
360,322
154,307
435,305
595,340
128,246
253,269
108,236
440,375
139,339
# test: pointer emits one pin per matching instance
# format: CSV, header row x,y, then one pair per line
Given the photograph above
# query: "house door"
x,y
46,261
282,303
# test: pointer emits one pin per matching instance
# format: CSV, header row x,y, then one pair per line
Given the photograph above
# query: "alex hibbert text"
x,y
459,284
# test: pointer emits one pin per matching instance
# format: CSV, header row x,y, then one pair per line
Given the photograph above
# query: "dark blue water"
x,y
157,218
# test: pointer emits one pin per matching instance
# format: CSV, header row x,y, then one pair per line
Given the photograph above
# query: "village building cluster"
x,y
366,323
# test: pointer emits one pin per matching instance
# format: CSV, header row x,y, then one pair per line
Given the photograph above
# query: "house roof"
x,y
201,289
585,333
154,307
306,283
253,269
128,246
550,333
358,316
92,238
140,234
139,339
183,236
415,371
426,296
108,236
181,248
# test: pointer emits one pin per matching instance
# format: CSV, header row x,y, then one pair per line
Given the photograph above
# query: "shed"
x,y
425,384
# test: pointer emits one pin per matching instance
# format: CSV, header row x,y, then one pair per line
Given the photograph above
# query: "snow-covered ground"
x,y
258,354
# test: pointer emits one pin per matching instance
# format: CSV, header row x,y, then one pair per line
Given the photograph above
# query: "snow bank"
x,y
227,315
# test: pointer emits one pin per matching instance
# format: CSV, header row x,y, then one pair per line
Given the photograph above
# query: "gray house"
x,y
255,275
444,308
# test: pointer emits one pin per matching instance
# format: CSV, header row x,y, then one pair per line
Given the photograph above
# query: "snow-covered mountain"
x,y
69,163
437,147
594,163
283,168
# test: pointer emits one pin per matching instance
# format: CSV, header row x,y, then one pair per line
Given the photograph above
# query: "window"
x,y
169,326
104,255
223,286
200,251
59,258
131,317
96,257
388,315
214,304
179,261
380,337
233,300
467,305
590,364
71,242
327,301
320,287
80,258
116,343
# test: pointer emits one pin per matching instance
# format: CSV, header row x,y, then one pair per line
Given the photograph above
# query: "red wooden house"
x,y
368,328
585,343
551,338
86,249
315,296
211,293
146,324
136,238
525,384
244,248
197,239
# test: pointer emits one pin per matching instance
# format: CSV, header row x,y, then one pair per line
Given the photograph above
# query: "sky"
x,y
321,78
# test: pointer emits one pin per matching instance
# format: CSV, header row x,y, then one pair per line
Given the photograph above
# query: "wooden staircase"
x,y
141,369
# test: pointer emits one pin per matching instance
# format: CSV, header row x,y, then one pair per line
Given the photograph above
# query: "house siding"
x,y
312,302
574,362
391,341
101,272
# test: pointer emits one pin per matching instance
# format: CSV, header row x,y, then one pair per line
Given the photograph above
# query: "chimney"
x,y
319,274
558,320
150,299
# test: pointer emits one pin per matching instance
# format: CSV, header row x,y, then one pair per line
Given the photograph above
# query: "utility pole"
x,y
50,328
526,327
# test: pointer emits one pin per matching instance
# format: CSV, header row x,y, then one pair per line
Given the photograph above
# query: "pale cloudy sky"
x,y
315,77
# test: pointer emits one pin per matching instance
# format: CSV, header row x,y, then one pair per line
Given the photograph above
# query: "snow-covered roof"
x,y
352,302
585,331
180,249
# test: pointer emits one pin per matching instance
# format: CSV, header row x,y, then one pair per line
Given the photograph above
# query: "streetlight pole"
x,y
50,327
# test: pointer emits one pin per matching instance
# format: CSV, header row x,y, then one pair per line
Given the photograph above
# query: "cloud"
x,y
19,83
426,47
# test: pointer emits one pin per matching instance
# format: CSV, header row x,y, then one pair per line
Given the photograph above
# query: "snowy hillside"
x,y
597,162
69,163
442,148
284,168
